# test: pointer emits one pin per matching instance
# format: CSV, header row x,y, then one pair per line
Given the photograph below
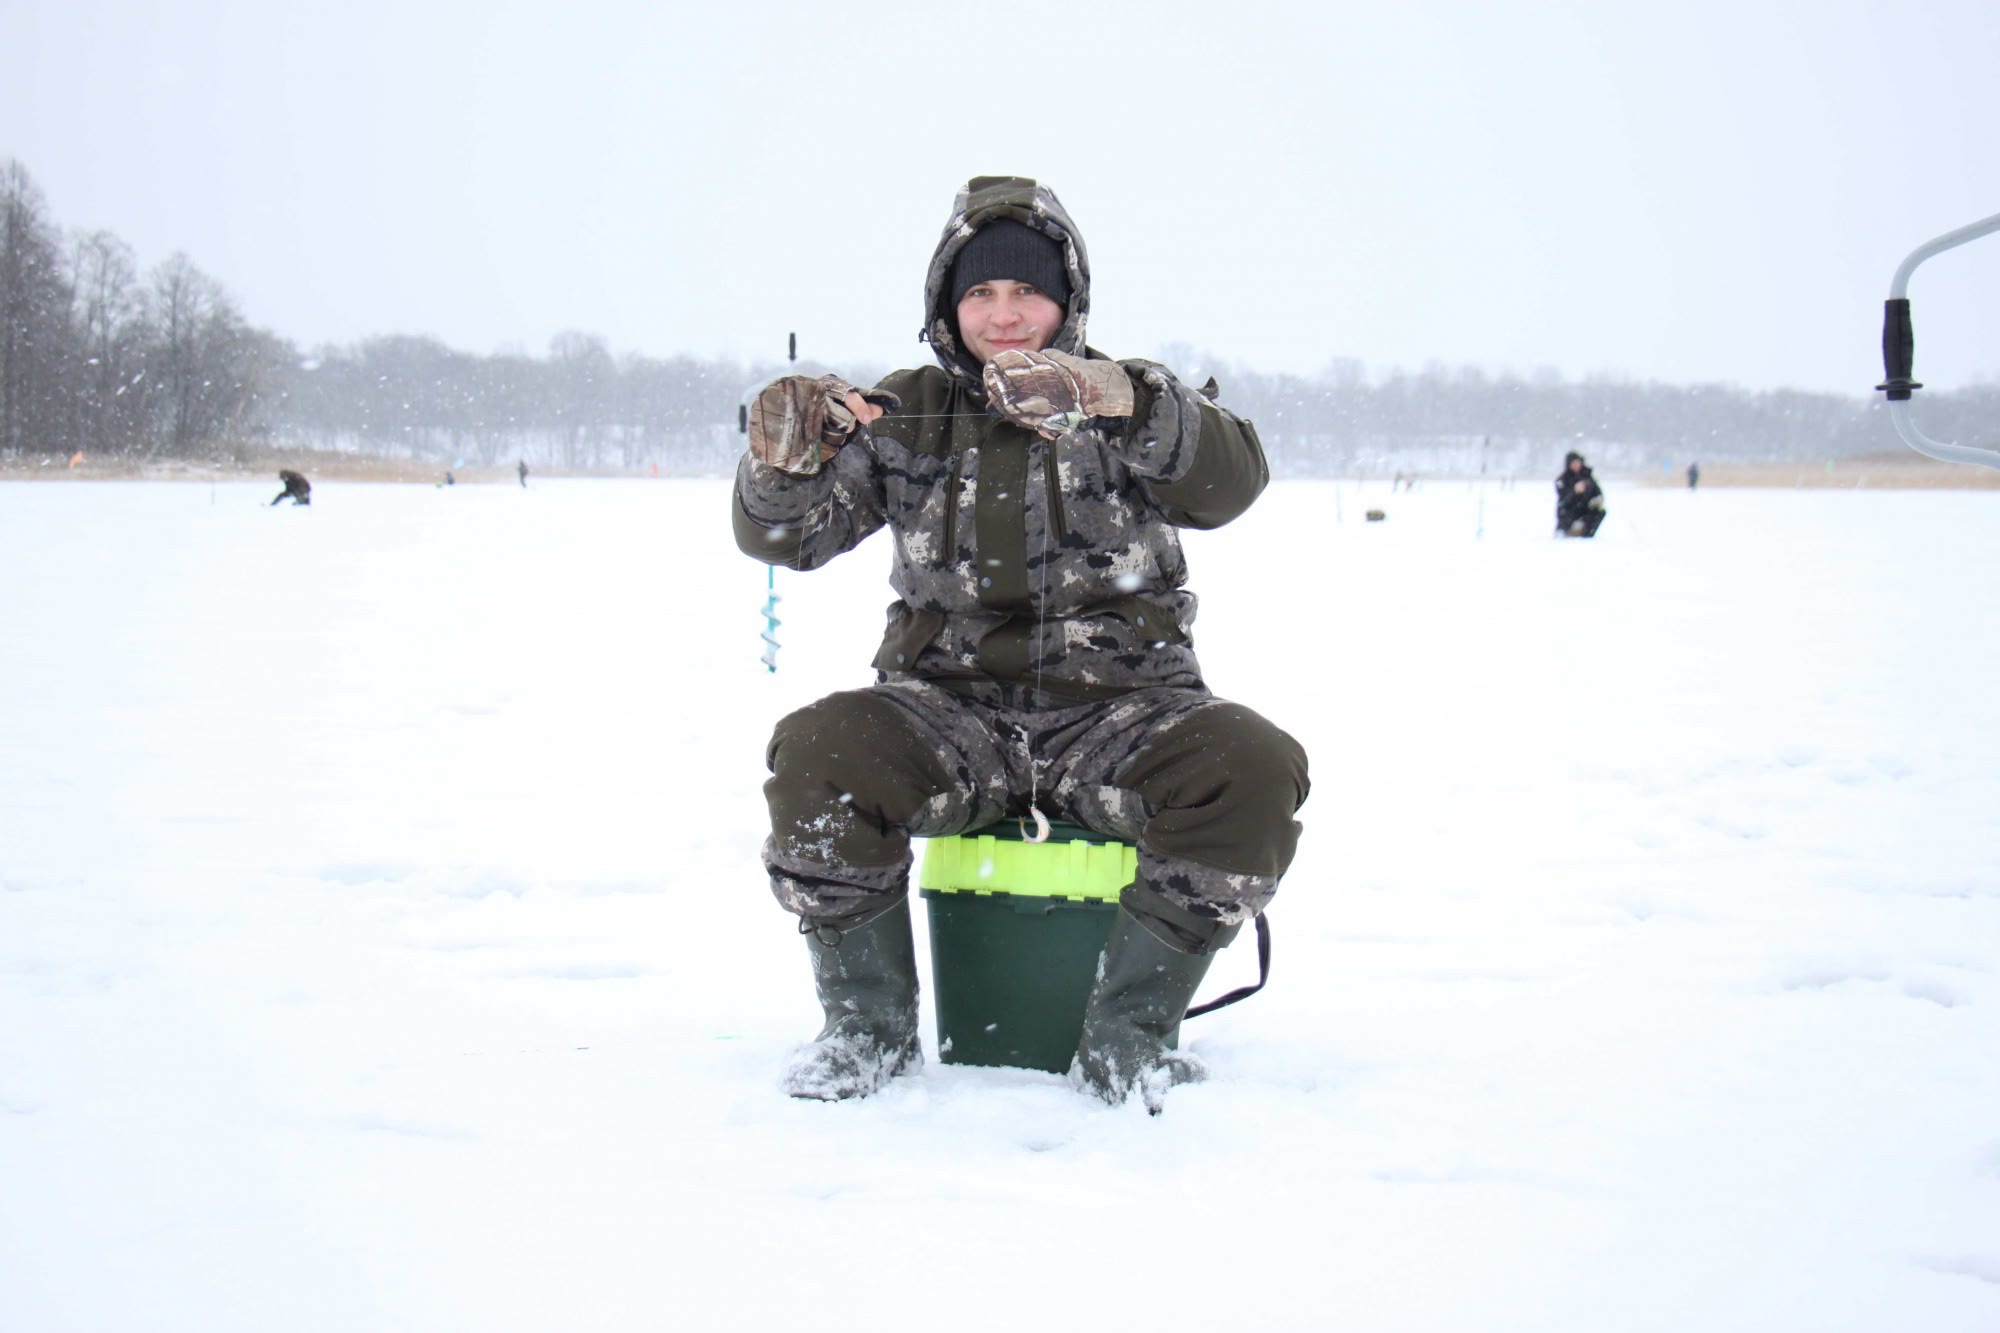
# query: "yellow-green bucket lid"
x,y
982,863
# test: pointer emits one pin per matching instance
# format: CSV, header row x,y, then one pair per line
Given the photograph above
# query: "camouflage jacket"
x,y
1048,563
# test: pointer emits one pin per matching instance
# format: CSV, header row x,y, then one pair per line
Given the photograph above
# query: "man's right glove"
x,y
1054,392
797,422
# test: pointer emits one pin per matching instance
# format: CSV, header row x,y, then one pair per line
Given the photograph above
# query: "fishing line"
x,y
1036,646
1039,649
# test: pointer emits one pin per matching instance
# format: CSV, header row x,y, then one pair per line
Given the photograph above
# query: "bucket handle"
x,y
1243,992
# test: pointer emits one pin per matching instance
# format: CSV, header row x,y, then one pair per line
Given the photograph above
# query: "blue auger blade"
x,y
771,621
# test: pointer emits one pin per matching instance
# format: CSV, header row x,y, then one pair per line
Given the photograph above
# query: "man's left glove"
x,y
797,423
1053,393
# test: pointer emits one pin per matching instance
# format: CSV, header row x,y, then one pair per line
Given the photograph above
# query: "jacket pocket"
x,y
909,633
1150,622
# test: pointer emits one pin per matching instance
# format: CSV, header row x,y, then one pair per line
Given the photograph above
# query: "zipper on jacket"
x,y
1057,525
951,492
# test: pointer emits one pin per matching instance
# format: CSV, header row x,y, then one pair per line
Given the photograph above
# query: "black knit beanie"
x,y
1016,252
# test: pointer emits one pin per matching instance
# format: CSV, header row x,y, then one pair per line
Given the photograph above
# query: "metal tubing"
x,y
1899,286
1899,411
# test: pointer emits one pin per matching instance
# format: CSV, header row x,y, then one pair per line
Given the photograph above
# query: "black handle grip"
x,y
1899,350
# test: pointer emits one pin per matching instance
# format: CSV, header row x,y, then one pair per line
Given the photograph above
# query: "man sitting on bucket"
x,y
1037,660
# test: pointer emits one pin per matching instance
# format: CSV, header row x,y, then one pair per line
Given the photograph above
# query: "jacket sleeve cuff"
x,y
1201,464
777,498
1165,429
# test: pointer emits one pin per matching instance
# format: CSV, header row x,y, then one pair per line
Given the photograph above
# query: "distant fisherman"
x,y
296,486
1579,499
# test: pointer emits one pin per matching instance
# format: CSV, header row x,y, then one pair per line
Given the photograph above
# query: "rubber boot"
x,y
1156,957
865,969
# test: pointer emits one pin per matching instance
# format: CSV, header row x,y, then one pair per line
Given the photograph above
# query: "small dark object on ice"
x,y
1376,516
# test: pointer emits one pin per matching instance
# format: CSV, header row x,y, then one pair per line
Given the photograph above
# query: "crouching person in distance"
x,y
297,489
1579,499
1038,648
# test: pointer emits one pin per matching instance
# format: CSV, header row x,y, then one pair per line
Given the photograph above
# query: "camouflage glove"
x,y
797,423
1053,393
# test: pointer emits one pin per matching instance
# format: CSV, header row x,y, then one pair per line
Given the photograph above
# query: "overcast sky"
x,y
1687,191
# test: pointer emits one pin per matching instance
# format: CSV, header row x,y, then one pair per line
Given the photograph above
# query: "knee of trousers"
x,y
1223,785
848,775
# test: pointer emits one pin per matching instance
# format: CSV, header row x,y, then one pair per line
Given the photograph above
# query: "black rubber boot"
x,y
1156,957
865,969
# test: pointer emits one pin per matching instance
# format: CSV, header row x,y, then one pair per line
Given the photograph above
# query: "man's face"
x,y
1002,314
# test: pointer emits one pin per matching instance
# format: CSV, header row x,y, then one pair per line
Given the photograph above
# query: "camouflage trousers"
x,y
1205,790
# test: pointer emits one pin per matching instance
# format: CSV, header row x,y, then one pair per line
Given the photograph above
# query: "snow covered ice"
x,y
383,944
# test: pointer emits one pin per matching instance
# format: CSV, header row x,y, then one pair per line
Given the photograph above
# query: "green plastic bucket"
x,y
1017,929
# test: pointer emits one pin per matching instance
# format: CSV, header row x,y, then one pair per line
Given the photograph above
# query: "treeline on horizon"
x,y
95,356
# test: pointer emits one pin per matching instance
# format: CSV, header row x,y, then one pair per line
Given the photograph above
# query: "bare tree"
x,y
584,378
34,317
202,363
107,320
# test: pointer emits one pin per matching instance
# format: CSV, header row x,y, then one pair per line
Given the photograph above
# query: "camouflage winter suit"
x,y
1041,634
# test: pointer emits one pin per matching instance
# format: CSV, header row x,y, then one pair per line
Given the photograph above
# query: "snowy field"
x,y
383,945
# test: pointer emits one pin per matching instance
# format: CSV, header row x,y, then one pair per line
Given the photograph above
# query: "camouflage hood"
x,y
986,199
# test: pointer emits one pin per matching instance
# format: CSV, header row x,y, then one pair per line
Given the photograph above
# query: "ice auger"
x,y
771,598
